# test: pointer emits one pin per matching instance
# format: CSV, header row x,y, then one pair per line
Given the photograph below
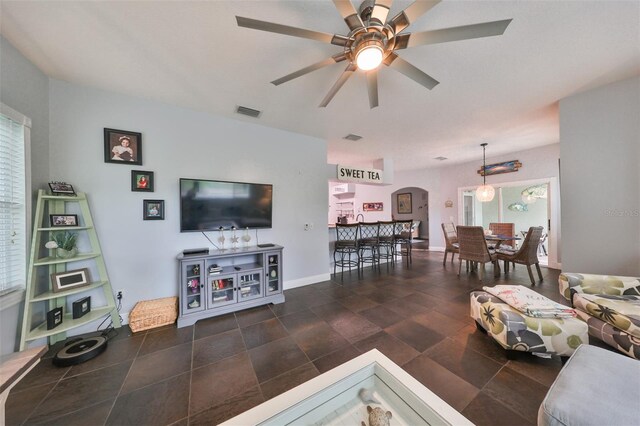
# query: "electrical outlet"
x,y
119,294
307,226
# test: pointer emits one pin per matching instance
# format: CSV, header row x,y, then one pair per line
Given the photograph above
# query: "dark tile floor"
x,y
418,316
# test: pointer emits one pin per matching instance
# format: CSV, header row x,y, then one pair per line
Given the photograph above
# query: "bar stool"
x,y
346,246
402,237
386,241
368,244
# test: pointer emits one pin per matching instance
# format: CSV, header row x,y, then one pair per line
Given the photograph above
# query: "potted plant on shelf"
x,y
64,243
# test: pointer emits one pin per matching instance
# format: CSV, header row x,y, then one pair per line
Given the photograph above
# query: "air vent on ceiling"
x,y
248,111
441,158
352,137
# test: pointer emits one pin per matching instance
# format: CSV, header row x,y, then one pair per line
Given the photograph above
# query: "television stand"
x,y
223,281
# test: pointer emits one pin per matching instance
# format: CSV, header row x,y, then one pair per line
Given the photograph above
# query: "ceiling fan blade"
x,y
306,70
408,16
396,62
338,84
255,24
372,88
380,11
464,32
349,14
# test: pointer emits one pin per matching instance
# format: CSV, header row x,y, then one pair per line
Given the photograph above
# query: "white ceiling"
x,y
503,90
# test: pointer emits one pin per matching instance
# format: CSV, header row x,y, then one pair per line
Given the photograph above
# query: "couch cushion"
x,y
622,312
595,387
597,284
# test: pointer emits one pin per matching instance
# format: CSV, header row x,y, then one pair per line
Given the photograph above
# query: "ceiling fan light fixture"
x,y
369,55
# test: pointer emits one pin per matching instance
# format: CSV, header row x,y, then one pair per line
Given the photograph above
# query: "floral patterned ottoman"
x,y
516,331
610,305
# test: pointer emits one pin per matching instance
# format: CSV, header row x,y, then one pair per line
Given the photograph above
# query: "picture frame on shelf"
x,y
54,318
153,209
81,307
63,220
122,147
61,188
61,281
142,181
404,203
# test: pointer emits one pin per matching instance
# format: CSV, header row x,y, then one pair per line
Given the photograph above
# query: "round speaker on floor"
x,y
80,351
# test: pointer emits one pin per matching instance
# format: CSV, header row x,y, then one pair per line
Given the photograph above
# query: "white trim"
x,y
440,249
301,282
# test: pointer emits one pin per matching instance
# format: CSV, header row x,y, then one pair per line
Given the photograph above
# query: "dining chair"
x,y
504,228
345,250
526,255
473,248
451,241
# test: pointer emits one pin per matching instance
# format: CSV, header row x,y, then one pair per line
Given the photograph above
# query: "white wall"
x,y
600,150
24,88
140,255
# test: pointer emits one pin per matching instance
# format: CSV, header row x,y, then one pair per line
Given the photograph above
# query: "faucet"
x,y
359,214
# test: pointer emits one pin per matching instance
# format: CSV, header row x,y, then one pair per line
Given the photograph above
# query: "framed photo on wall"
x,y
122,147
404,203
141,181
153,209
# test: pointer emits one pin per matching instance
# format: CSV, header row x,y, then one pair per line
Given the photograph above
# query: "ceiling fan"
x,y
372,41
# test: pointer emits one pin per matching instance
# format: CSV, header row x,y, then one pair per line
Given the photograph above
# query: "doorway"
x,y
511,206
415,206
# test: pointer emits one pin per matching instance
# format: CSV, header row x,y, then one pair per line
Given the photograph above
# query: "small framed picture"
x,y
67,280
81,307
153,209
141,181
122,147
404,203
54,318
61,220
61,188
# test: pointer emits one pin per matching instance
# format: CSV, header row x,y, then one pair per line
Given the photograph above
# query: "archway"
x,y
414,205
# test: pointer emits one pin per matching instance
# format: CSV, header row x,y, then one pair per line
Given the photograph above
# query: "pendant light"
x,y
485,192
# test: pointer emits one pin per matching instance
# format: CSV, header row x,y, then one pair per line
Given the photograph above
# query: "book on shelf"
x,y
219,298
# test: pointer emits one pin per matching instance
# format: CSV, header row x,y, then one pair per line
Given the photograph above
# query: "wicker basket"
x,y
153,313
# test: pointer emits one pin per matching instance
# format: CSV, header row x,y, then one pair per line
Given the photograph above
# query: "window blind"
x,y
13,227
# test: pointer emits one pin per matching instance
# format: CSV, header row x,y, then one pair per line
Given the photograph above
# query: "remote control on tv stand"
x,y
266,245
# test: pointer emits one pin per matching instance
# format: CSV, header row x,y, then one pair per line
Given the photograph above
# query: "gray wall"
x,y
177,142
24,88
600,151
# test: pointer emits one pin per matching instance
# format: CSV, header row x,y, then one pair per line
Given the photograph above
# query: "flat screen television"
x,y
207,205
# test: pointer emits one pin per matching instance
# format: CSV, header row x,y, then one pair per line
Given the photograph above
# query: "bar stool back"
x,y
403,238
368,243
345,247
386,241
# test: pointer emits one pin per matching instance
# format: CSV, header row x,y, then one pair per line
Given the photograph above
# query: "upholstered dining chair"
x,y
526,255
451,241
473,248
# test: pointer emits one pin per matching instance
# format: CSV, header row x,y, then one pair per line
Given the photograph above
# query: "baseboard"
x,y
306,281
441,249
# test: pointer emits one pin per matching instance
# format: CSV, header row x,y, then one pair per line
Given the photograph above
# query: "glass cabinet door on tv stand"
x,y
224,281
